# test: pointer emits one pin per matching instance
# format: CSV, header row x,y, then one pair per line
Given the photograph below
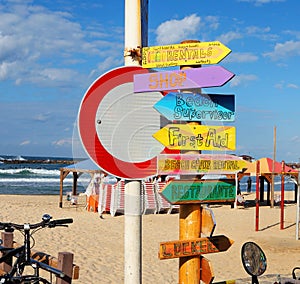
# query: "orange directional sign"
x,y
183,248
184,54
206,271
196,137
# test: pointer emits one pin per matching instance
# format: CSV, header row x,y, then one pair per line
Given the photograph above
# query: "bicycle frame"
x,y
23,256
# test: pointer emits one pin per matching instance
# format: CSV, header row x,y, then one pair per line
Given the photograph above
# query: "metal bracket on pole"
x,y
134,53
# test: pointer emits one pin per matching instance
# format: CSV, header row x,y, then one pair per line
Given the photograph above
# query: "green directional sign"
x,y
199,191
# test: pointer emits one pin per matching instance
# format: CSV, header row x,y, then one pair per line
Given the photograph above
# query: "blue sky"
x,y
52,51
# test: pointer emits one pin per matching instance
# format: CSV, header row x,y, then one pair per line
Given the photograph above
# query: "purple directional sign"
x,y
197,107
205,77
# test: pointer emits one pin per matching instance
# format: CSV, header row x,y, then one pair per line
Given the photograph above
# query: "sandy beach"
x,y
98,244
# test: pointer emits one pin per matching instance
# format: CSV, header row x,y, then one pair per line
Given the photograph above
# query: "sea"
x,y
28,175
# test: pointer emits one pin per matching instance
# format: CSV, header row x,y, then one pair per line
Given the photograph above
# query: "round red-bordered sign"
x,y
88,132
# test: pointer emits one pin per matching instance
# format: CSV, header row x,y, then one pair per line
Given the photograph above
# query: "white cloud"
x,y
26,142
35,42
226,38
292,86
62,142
242,79
42,117
242,57
174,31
261,2
282,50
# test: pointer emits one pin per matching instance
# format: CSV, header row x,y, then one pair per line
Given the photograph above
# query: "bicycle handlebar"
x,y
59,222
9,227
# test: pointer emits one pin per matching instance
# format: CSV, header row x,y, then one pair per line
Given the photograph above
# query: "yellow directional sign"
x,y
196,137
184,54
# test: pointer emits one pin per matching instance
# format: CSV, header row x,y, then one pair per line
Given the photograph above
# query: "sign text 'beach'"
x,y
197,107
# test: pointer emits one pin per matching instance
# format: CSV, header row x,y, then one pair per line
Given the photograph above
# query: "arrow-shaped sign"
x,y
184,54
195,164
206,271
197,107
199,191
206,77
196,137
183,248
208,222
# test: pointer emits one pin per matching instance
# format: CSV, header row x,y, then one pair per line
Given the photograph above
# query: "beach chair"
x,y
117,198
163,206
149,198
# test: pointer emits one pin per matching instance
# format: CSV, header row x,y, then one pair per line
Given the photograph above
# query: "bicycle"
x,y
23,253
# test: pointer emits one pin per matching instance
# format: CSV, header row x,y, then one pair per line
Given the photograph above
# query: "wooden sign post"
x,y
192,107
190,221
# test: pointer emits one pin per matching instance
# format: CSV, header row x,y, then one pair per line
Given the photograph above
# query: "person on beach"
x,y
249,184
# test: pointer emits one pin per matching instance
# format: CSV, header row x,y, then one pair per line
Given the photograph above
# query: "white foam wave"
x,y
31,170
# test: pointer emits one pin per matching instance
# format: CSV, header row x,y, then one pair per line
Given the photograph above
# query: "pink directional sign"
x,y
205,77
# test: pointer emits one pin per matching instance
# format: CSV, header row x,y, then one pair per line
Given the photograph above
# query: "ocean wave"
x,y
29,171
33,180
15,158
68,179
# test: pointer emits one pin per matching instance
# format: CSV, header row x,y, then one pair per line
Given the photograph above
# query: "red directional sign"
x,y
106,113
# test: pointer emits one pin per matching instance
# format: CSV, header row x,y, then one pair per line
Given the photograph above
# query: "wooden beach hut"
x,y
77,169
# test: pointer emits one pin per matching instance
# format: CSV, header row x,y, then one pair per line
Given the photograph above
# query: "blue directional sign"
x,y
197,107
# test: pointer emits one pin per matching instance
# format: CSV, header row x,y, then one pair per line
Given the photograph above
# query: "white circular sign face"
x,y
116,125
125,122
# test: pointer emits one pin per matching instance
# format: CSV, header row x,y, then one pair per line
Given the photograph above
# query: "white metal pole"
x,y
133,34
133,218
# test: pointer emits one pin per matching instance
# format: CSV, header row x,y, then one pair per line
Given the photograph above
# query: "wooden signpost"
x,y
196,137
184,54
183,248
199,191
211,76
197,107
195,164
194,220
